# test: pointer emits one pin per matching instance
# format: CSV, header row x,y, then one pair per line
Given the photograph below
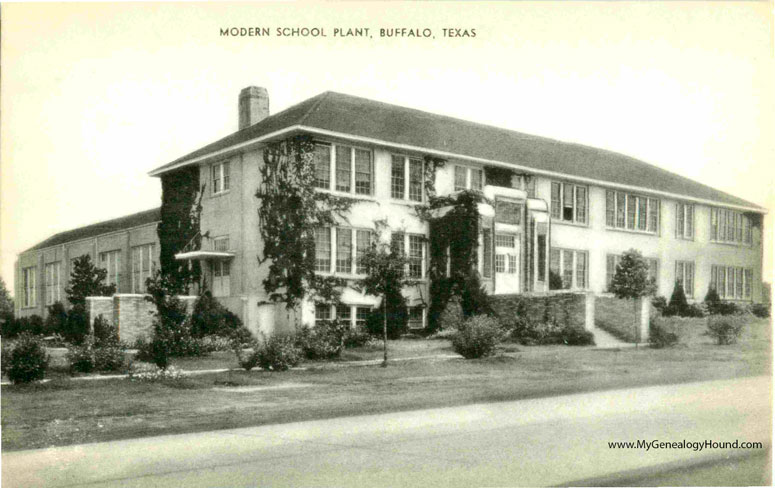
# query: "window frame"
x,y
140,274
53,292
573,267
559,204
30,287
726,222
406,178
730,280
629,218
332,234
685,221
616,257
104,256
469,170
223,169
333,169
357,313
685,265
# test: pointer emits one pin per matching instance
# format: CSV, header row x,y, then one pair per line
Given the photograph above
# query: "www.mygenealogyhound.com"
x,y
693,445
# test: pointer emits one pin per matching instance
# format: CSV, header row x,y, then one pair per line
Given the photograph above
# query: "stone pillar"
x,y
589,311
643,307
133,316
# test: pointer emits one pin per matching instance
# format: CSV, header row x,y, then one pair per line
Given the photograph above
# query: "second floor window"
x,y
403,169
30,298
352,170
53,282
569,202
221,177
468,178
684,220
111,261
729,226
631,212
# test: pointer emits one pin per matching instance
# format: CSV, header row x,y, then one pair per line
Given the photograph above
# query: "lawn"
x,y
64,412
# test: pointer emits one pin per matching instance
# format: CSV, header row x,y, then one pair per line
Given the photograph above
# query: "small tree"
x,y
631,280
385,277
6,304
677,304
86,280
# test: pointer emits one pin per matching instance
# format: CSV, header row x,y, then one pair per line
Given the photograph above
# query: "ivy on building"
x,y
289,211
181,208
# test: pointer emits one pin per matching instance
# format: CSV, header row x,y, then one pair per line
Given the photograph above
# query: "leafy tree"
x,y
385,277
6,302
56,319
169,328
631,279
86,280
677,304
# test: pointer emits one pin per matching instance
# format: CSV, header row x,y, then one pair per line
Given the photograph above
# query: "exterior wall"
x,y
67,252
599,241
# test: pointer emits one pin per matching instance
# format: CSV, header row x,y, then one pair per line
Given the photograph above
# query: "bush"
x,y
324,341
209,317
77,325
104,333
32,324
56,319
27,360
716,306
725,329
452,316
662,333
760,310
477,337
357,337
241,336
576,336
555,281
153,374
659,303
279,353
81,357
213,343
109,358
397,318
474,299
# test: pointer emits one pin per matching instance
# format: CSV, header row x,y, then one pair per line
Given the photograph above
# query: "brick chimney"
x,y
253,106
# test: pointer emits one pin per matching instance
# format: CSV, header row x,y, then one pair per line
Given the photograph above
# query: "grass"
x,y
617,316
63,412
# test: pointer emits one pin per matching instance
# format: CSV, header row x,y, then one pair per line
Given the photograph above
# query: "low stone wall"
x,y
566,308
130,314
627,320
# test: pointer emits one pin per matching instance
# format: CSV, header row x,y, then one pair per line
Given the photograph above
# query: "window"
x,y
143,266
505,240
468,178
397,243
348,246
352,171
221,278
221,244
344,250
30,298
541,257
632,212
486,253
571,266
405,169
684,220
361,316
322,166
221,177
362,244
500,263
569,202
111,261
416,317
684,275
612,261
729,226
53,293
322,314
343,313
512,263
323,249
732,282
415,256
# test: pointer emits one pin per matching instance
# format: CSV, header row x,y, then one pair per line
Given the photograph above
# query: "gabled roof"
x,y
94,230
390,124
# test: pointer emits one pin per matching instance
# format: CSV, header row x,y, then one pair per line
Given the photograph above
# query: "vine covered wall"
x,y
181,209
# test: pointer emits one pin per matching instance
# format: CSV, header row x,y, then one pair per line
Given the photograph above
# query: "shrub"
x,y
209,317
452,315
77,325
247,360
241,336
109,358
397,317
576,336
555,281
213,343
662,333
659,303
474,299
725,329
104,333
324,341
32,324
678,303
27,360
357,337
279,353
56,319
152,374
716,306
760,310
477,337
81,357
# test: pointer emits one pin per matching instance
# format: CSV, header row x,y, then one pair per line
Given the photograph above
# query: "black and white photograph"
x,y
365,244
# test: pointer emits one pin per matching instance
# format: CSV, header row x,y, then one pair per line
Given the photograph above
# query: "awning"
x,y
204,255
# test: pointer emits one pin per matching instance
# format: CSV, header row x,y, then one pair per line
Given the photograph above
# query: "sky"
x,y
95,95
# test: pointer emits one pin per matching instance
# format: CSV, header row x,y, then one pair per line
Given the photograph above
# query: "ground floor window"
x,y
571,266
53,282
354,315
732,282
30,297
221,278
143,266
684,275
612,261
111,262
416,315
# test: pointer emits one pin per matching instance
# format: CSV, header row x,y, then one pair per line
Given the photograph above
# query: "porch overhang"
x,y
204,256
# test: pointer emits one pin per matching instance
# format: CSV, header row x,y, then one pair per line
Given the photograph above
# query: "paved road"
x,y
546,441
